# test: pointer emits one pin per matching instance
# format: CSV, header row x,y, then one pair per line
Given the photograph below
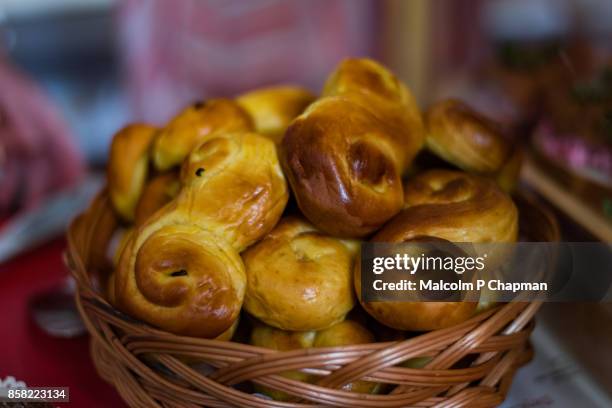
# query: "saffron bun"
x,y
471,141
182,279
345,155
455,206
194,125
233,185
127,167
273,108
299,278
452,206
182,270
158,191
344,333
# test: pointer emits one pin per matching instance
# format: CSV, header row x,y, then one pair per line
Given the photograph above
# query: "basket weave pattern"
x,y
148,368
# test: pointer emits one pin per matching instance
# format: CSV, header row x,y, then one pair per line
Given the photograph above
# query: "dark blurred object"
x,y
37,155
180,51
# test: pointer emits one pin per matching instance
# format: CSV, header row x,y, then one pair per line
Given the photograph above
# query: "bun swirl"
x,y
183,272
452,206
346,173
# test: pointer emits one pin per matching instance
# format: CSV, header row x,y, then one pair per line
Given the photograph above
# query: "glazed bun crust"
x,y
234,187
127,167
472,142
299,278
346,179
345,155
195,125
368,77
184,280
272,109
183,272
452,206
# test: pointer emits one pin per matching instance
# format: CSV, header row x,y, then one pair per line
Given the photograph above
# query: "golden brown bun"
x,y
127,168
345,155
341,334
234,186
272,109
159,191
368,77
299,278
182,271
453,206
472,142
193,126
182,279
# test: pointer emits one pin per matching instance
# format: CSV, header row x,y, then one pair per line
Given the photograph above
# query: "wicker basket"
x,y
472,363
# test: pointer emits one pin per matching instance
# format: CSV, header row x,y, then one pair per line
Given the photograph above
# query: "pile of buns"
x,y
257,206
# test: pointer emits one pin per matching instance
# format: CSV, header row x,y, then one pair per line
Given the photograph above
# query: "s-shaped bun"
x,y
345,155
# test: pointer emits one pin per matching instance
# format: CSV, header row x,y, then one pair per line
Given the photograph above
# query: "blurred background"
x,y
73,72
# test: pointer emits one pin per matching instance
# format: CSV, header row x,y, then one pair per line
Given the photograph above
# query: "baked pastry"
x,y
345,333
452,206
470,141
272,109
233,185
127,168
182,279
345,155
182,270
159,191
194,125
299,278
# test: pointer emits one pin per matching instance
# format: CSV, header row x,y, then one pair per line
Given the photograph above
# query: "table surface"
x,y
30,355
